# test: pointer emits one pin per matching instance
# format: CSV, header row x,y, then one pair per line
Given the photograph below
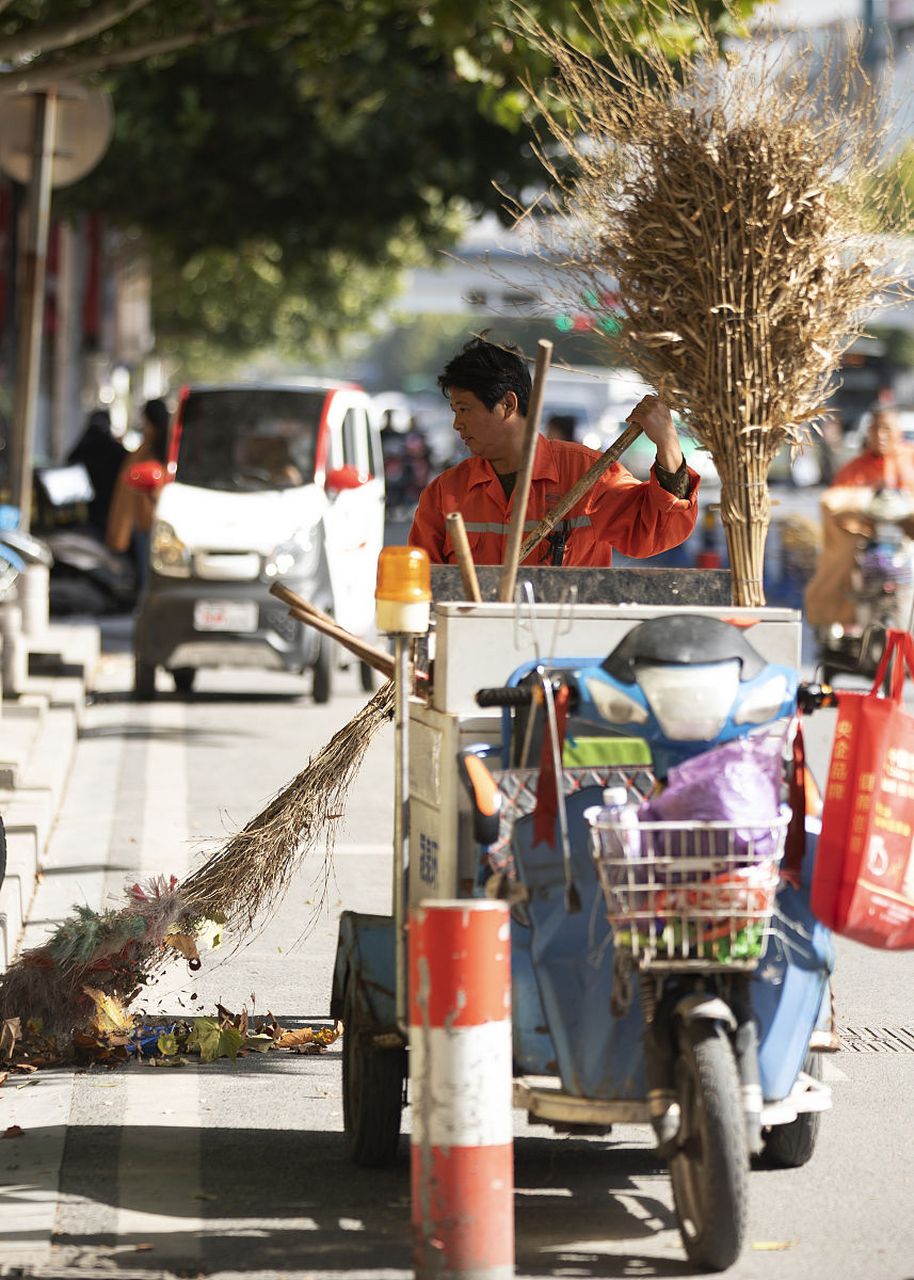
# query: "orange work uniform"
x,y
891,471
637,518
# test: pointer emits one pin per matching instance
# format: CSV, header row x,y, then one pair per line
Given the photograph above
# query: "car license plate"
x,y
225,615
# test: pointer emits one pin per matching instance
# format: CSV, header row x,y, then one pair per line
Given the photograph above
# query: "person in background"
x,y
560,426
489,391
103,456
132,511
418,461
885,462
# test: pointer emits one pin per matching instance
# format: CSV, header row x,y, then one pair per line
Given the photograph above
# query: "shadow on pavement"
x,y
283,1201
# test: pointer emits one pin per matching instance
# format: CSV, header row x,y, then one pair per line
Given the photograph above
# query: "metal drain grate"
x,y
877,1039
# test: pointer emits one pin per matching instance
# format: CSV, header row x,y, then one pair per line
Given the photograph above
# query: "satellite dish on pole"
x,y
85,122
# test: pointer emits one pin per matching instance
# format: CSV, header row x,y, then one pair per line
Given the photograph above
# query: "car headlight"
x,y
296,557
167,553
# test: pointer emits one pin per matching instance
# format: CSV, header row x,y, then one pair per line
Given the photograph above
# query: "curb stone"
x,y
38,736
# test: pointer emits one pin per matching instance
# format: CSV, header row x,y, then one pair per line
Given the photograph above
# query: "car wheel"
x,y
144,680
184,678
322,674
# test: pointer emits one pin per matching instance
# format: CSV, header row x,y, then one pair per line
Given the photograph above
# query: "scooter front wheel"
x,y
710,1168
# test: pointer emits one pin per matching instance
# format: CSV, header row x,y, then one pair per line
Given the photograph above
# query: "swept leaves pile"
x,y
114,1037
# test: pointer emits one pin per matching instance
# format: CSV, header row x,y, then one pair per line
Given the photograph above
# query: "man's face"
x,y
480,429
884,434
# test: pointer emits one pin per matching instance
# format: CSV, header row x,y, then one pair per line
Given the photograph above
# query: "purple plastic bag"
x,y
740,781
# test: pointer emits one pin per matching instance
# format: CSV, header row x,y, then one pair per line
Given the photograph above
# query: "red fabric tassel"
x,y
547,800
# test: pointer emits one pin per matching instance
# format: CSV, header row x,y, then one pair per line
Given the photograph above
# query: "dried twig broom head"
x,y
738,211
118,950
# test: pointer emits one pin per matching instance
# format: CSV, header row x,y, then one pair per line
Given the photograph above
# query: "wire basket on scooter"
x,y
684,895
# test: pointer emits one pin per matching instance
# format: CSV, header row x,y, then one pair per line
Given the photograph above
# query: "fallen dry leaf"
x,y
4,1076
110,1014
14,1131
184,944
295,1039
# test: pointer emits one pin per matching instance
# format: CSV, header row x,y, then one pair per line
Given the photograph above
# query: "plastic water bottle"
x,y
618,810
620,838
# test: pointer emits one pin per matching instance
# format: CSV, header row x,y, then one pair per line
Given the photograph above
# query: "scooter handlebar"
x,y
813,697
518,695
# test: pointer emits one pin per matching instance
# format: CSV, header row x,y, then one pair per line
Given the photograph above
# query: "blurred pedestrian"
x,y
132,510
103,456
885,463
560,426
418,459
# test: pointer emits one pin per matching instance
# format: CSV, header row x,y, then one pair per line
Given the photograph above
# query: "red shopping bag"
x,y
863,882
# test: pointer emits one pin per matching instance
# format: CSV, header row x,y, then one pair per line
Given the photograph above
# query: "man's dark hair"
x,y
490,372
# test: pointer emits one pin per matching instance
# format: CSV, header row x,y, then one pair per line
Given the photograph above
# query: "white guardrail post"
x,y
460,1067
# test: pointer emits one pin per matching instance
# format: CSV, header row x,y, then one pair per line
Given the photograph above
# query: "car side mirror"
x,y
147,477
348,477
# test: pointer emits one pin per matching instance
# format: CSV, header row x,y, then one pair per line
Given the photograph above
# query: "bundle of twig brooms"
x,y
116,951
734,203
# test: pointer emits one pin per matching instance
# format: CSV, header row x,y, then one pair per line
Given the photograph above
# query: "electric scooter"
x,y
688,984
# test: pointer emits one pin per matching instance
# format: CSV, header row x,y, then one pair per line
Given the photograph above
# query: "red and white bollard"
x,y
462,1143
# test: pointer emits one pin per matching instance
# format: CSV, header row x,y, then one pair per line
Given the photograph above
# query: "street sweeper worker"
x,y
489,387
885,463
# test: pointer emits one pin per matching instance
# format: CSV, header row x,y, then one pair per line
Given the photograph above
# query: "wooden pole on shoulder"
x,y
513,552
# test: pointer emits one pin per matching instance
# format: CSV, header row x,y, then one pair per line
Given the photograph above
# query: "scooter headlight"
x,y
167,553
691,703
296,557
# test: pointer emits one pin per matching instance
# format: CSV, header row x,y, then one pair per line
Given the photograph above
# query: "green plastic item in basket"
x,y
608,752
745,945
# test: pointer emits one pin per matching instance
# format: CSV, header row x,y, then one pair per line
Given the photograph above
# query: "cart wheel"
x,y
790,1146
184,678
710,1168
372,1091
322,677
367,677
144,680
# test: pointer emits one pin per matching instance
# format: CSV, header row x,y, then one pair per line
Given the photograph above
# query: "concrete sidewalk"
x,y
39,731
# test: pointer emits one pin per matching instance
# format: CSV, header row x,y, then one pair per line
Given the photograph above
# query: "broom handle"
x,y
367,653
459,541
579,488
314,617
513,551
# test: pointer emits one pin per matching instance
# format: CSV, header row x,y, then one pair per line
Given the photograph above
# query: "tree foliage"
x,y
282,159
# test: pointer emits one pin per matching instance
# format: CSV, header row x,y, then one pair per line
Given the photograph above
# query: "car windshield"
x,y
249,439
